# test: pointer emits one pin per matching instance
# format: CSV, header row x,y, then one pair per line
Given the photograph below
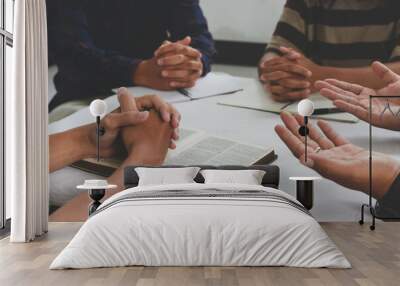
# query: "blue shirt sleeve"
x,y
187,19
74,42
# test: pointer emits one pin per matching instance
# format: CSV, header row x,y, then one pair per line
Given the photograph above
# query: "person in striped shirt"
x,y
320,39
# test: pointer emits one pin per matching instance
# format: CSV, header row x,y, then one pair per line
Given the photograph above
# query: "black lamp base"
x,y
305,193
305,190
96,196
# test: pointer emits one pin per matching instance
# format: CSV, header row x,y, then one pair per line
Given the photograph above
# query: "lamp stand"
x,y
306,135
98,137
369,205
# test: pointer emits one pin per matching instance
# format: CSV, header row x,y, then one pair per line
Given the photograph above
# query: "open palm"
x,y
355,99
338,158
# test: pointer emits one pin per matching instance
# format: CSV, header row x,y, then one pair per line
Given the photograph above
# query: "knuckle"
x,y
108,123
285,82
131,116
156,98
276,89
287,67
148,97
194,77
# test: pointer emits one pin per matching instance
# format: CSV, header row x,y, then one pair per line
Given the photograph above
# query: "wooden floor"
x,y
375,257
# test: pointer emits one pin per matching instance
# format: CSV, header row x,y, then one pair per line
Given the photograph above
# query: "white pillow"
x,y
246,177
166,176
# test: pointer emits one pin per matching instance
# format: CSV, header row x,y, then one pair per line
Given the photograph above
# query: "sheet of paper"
x,y
215,84
173,96
254,97
211,85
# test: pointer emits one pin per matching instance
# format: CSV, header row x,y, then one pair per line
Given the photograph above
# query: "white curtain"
x,y
26,124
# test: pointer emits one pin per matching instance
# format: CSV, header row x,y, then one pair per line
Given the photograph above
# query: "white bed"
x,y
201,225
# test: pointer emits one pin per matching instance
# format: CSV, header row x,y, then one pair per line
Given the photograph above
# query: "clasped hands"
x,y
174,65
289,77
146,126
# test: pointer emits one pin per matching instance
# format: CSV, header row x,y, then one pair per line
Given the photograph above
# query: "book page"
x,y
211,150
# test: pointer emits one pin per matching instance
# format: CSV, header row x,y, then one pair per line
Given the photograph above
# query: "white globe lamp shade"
x,y
98,107
305,108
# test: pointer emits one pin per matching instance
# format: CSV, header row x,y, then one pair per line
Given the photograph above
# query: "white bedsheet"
x,y
200,232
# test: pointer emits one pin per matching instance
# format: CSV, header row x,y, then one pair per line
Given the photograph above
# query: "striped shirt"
x,y
341,33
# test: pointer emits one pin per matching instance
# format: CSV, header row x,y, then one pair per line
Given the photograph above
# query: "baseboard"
x,y
239,53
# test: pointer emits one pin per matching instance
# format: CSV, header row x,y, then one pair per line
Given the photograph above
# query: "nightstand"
x,y
305,190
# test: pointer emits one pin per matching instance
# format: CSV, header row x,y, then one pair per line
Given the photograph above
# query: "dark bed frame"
x,y
271,177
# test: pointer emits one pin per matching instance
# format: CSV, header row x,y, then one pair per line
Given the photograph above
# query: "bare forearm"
x,y
363,76
76,209
135,158
66,148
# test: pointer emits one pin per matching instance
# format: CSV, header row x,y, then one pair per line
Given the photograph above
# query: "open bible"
x,y
194,148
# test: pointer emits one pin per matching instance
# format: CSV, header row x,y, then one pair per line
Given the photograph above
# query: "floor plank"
x,y
375,257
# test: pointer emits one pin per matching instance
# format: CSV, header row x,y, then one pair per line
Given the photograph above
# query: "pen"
x,y
184,92
322,111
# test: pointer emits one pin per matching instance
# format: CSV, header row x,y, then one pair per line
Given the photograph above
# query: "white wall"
x,y
242,20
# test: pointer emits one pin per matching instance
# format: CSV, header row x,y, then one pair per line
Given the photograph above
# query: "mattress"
x,y
201,225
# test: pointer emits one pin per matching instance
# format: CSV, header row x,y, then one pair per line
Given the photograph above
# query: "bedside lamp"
x,y
305,185
96,190
305,108
98,108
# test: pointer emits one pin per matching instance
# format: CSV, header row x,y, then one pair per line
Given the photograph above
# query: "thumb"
x,y
126,100
384,73
186,41
119,120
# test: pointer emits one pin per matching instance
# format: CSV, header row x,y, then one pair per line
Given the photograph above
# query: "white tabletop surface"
x,y
332,202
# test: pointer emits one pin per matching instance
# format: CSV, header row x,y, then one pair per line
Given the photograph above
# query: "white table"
x,y
332,202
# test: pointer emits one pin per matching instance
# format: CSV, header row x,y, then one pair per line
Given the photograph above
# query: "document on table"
x,y
213,84
254,97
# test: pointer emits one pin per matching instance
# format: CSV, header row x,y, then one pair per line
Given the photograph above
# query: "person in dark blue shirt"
x,y
103,44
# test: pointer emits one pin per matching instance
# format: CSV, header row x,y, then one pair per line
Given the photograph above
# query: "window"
x,y
6,42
